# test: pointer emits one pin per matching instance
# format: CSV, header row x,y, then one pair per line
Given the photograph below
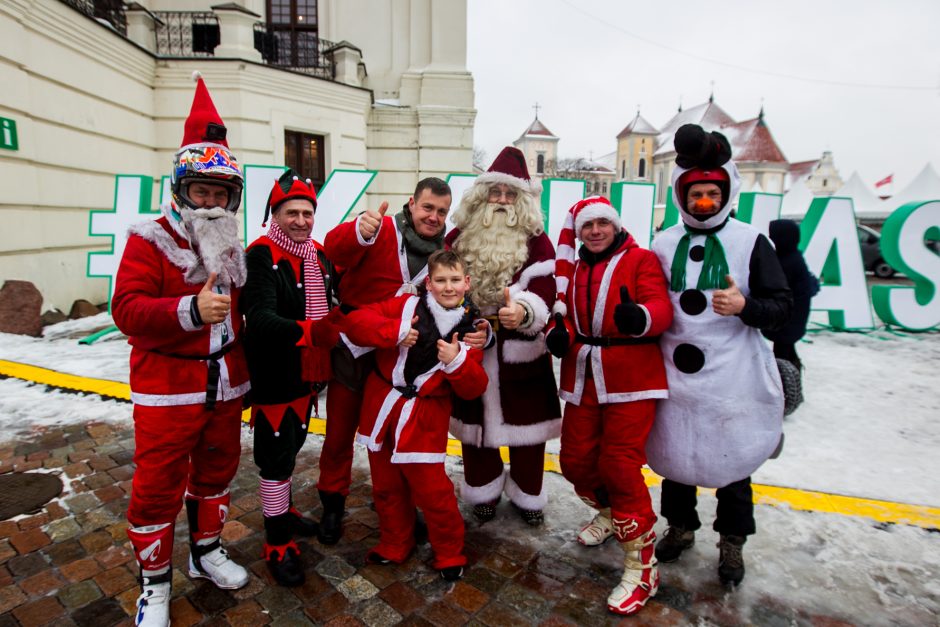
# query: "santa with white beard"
x,y
511,260
176,299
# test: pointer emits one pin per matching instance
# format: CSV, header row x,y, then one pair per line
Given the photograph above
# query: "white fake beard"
x,y
494,246
214,234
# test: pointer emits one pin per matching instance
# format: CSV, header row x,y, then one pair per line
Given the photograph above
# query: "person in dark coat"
x,y
785,234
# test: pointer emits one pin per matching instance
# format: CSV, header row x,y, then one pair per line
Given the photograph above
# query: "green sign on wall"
x,y
8,134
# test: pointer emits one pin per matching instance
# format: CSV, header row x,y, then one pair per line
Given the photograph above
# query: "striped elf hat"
x,y
583,211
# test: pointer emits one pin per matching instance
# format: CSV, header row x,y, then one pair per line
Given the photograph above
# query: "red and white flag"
x,y
885,180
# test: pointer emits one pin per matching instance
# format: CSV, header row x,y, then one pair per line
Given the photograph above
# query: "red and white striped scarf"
x,y
314,290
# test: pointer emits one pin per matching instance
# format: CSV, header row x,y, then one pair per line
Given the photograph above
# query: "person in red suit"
x,y
421,361
379,256
175,298
612,305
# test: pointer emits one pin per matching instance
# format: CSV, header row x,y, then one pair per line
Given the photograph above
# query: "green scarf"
x,y
417,247
714,265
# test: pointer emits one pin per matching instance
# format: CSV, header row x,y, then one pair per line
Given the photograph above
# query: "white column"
x,y
236,32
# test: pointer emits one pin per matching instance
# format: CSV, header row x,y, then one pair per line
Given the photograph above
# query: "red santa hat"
x,y
287,187
509,167
583,211
204,124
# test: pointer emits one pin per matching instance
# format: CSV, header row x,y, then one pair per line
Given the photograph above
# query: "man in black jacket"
x,y
290,332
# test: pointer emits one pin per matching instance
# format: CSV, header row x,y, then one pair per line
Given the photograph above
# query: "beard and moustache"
x,y
494,245
213,233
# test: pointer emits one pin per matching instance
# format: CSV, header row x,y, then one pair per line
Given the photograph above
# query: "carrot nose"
x,y
704,204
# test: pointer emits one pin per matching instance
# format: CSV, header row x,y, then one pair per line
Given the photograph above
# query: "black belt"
x,y
607,342
212,381
407,391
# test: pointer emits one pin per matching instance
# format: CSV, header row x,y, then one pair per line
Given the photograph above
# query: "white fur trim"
x,y
564,251
627,397
404,327
458,360
495,430
356,350
468,434
182,312
183,258
536,270
560,307
523,351
593,212
418,458
367,242
488,178
524,499
649,320
574,397
365,441
484,493
444,319
603,292
561,284
538,311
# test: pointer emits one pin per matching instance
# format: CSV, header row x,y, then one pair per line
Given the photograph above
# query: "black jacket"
x,y
272,304
786,237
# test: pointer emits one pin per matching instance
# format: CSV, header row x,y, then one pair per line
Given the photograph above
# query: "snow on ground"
x,y
868,428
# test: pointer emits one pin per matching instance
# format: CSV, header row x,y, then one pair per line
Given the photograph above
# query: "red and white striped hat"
x,y
581,212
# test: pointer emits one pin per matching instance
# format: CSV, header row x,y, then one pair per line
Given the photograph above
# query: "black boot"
x,y
731,560
673,543
301,525
280,553
421,528
331,524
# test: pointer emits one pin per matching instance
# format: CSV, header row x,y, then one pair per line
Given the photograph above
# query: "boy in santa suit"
x,y
421,361
290,332
176,299
612,306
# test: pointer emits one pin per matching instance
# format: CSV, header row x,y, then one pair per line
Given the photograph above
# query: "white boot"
x,y
213,563
153,604
598,531
640,579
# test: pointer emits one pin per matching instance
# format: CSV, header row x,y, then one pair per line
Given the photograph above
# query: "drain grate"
x,y
22,492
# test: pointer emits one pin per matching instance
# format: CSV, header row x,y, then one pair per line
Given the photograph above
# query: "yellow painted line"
x,y
799,500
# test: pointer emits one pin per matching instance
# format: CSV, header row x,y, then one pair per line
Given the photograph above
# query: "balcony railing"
x,y
110,12
186,34
300,51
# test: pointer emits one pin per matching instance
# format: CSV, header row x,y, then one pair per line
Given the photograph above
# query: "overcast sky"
x,y
866,73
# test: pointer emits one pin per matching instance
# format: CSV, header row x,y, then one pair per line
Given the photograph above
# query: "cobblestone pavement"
x,y
70,563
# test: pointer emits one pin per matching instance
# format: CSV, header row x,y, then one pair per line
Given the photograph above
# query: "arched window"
x,y
641,169
540,163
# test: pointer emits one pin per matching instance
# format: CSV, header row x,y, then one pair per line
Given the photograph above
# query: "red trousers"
x,y
603,448
342,421
180,448
397,489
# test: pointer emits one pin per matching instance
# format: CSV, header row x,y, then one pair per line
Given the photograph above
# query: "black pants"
x,y
735,507
787,350
275,455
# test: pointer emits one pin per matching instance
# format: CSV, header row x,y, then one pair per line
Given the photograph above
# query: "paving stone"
x,y
484,579
42,583
297,618
444,614
674,597
122,473
96,519
377,613
524,601
99,481
55,462
82,502
210,600
6,551
247,614
96,541
8,528
10,597
314,587
64,552
55,511
357,588
64,529
233,531
114,556
517,552
121,456
335,569
498,615
329,606
80,570
278,600
79,594
29,541
76,470
7,620
467,597
183,614
379,576
540,584
39,612
501,565
33,522
100,463
115,580
26,565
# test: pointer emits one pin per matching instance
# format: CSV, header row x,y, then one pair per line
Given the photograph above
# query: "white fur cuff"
x,y
182,313
524,500
475,495
538,311
366,242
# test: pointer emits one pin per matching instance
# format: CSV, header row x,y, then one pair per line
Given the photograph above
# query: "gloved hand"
x,y
628,316
323,333
558,338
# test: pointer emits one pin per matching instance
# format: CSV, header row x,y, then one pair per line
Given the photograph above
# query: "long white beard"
x,y
494,247
213,233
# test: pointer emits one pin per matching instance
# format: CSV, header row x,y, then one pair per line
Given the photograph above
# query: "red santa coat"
x,y
385,272
420,434
621,373
156,282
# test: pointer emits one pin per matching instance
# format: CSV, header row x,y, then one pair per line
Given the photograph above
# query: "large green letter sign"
x,y
902,245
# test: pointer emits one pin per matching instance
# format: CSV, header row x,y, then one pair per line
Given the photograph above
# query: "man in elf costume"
x,y
290,332
176,298
612,306
380,256
500,235
724,413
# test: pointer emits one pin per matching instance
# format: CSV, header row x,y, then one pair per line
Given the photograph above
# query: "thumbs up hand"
x,y
213,307
448,351
729,301
629,317
370,221
512,313
412,337
558,338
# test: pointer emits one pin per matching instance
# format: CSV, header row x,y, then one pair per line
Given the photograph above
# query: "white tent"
x,y
796,201
925,186
867,204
